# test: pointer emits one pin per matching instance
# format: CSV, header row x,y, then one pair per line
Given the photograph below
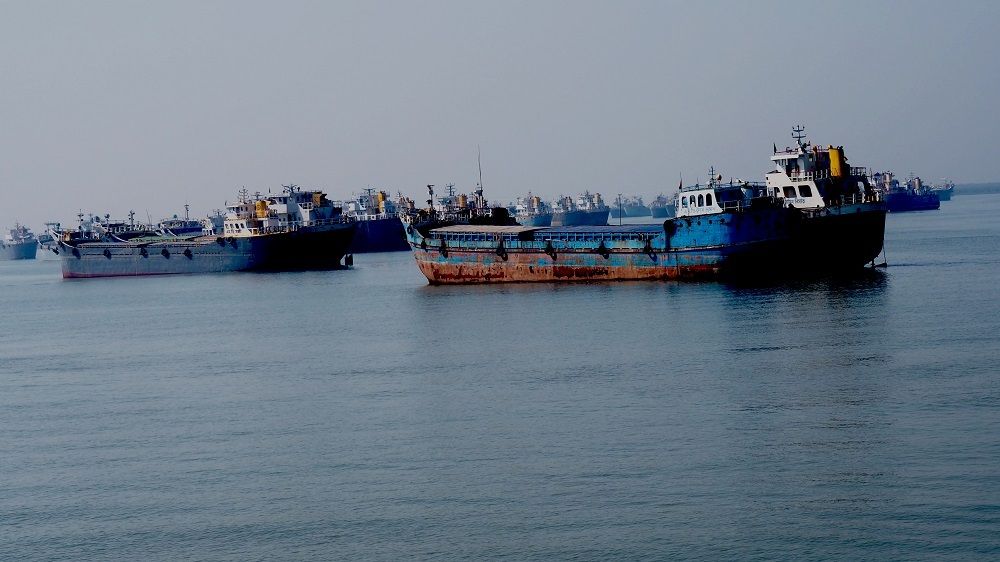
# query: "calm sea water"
x,y
364,415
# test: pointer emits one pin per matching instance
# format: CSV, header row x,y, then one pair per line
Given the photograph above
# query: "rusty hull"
x,y
464,267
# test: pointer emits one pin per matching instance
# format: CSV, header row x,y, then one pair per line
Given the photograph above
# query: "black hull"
x,y
379,235
844,238
305,249
834,240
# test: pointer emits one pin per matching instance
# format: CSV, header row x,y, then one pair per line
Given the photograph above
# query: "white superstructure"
x,y
811,177
293,209
805,177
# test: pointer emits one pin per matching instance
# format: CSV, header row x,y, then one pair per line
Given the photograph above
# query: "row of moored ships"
x,y
813,211
588,209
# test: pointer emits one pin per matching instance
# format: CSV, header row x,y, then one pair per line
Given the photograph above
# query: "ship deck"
x,y
467,232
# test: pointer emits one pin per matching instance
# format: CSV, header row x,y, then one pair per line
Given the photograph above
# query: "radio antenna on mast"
x,y
798,133
479,159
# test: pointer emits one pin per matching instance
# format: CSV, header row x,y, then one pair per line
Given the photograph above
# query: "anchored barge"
x,y
292,231
813,213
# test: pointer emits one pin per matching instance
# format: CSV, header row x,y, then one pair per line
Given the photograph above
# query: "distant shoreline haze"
x,y
977,188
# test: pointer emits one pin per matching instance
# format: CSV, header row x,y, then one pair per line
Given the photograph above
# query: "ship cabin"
x,y
529,206
716,197
588,201
240,217
811,177
297,206
565,204
290,210
370,205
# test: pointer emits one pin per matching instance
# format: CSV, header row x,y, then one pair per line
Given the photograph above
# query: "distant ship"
x,y
529,211
18,244
379,227
662,207
45,239
630,207
944,190
175,226
292,231
587,210
782,226
912,195
455,209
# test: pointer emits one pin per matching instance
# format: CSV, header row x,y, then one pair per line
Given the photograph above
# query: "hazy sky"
x,y
111,106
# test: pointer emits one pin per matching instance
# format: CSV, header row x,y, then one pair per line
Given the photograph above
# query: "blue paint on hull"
x,y
580,218
18,251
379,235
662,212
637,211
899,202
756,242
541,219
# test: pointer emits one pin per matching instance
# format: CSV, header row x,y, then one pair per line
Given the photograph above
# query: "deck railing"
x,y
854,171
809,176
289,227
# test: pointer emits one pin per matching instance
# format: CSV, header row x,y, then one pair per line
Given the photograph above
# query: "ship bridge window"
x,y
708,199
789,192
701,200
684,201
804,191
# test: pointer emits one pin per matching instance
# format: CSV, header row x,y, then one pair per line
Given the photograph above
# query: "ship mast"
x,y
798,133
479,160
480,201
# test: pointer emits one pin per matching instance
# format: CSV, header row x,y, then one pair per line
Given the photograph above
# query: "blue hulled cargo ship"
x,y
813,213
587,210
662,207
18,244
911,195
530,211
630,207
293,231
377,217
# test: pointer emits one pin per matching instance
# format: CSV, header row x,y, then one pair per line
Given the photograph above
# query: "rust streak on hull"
x,y
480,267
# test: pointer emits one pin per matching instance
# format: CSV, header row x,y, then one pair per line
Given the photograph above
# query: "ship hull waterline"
x,y
290,251
379,235
811,248
904,202
18,251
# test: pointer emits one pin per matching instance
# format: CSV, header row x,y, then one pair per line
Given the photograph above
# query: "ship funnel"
x,y
838,164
